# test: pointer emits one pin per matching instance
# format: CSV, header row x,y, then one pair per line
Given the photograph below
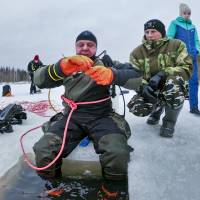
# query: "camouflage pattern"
x,y
139,107
174,92
172,95
168,55
165,55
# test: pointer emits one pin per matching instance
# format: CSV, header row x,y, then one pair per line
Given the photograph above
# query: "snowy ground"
x,y
160,168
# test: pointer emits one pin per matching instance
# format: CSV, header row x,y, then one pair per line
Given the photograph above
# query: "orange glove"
x,y
76,63
101,75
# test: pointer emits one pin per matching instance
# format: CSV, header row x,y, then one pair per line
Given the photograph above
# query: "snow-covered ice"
x,y
160,168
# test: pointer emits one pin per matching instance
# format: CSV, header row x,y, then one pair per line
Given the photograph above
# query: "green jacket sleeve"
x,y
48,76
183,64
136,64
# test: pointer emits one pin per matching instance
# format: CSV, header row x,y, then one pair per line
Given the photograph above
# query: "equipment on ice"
x,y
6,91
11,114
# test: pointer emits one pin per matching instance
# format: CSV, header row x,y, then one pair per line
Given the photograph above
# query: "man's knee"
x,y
47,148
122,124
139,107
174,92
115,156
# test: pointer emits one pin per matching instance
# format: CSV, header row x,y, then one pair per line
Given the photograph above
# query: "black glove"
x,y
157,81
107,60
148,94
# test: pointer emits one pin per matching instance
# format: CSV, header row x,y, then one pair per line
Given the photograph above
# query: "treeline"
x,y
9,74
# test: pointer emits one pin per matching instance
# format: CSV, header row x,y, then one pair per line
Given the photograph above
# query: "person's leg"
x,y
193,89
174,97
34,88
154,117
110,141
110,135
48,147
31,88
169,121
46,150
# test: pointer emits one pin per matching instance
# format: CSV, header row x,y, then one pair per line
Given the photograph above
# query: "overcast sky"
x,y
49,27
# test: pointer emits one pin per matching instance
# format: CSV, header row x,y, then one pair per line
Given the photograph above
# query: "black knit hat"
x,y
155,24
87,35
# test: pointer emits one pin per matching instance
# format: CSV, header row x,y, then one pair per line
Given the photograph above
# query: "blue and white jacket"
x,y
184,30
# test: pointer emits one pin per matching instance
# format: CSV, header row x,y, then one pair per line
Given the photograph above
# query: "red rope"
x,y
38,108
73,105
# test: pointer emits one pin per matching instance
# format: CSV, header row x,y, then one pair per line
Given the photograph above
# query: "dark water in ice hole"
x,y
22,183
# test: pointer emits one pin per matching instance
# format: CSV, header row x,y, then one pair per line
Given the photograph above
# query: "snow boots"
x,y
169,121
195,111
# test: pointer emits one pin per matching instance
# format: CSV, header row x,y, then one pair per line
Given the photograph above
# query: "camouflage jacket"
x,y
80,87
168,55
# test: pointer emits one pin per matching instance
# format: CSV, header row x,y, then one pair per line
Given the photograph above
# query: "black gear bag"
x,y
11,114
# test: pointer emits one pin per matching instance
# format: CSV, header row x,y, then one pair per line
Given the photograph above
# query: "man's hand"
x,y
149,94
76,63
101,75
157,81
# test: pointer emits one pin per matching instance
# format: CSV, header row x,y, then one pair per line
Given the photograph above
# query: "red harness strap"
x,y
73,105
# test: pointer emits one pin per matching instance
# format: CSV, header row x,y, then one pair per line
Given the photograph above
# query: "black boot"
x,y
195,111
113,190
154,117
169,121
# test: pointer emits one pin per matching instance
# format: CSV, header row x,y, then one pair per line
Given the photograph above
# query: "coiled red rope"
x,y
38,108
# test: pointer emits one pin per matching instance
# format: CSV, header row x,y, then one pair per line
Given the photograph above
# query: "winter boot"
x,y
113,190
154,117
195,111
169,121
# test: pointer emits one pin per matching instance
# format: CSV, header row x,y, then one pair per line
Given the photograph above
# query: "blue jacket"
x,y
184,30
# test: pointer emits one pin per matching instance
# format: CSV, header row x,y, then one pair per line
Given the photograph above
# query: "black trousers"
x,y
109,135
